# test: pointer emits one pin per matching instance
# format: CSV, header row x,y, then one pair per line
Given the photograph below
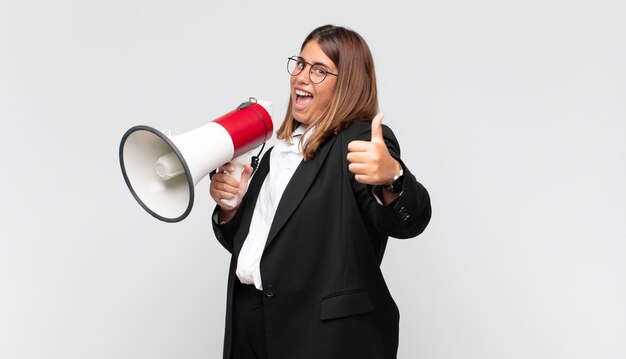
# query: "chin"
x,y
303,121
298,117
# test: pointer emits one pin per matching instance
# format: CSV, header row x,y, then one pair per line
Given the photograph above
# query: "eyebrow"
x,y
314,63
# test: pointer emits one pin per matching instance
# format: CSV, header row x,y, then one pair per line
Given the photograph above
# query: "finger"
x,y
225,179
377,128
226,195
224,187
365,179
359,146
358,168
218,195
359,157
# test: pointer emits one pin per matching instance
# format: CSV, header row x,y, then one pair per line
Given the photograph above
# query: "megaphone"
x,y
161,170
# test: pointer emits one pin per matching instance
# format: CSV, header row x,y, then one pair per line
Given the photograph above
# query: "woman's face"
x,y
309,100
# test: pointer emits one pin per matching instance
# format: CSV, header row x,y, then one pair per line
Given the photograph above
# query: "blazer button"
x,y
269,291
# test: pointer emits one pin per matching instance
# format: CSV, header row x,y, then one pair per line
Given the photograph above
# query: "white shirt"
x,y
284,159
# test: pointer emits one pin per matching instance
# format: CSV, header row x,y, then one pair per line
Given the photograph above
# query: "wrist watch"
x,y
396,185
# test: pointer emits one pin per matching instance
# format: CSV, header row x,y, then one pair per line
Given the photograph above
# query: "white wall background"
x,y
513,114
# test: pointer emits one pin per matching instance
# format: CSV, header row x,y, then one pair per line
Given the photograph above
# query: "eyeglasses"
x,y
317,73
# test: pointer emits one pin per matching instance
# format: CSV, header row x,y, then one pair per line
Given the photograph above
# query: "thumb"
x,y
377,128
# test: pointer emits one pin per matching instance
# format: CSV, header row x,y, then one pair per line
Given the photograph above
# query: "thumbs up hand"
x,y
370,161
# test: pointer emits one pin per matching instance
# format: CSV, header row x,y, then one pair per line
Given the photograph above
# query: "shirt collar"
x,y
299,131
296,141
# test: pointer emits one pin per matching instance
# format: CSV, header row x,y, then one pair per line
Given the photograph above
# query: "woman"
x,y
308,236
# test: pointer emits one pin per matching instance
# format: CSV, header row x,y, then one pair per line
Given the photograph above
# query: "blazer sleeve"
x,y
224,233
409,214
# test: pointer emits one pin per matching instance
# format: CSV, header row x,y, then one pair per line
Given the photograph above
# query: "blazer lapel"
x,y
296,189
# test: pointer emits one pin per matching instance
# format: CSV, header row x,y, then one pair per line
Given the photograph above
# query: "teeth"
x,y
303,93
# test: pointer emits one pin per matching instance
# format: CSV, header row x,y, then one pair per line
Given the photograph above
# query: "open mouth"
x,y
303,99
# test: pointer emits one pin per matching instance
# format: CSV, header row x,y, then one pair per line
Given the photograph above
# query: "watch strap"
x,y
396,185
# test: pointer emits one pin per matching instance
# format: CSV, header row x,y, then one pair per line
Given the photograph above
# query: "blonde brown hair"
x,y
355,97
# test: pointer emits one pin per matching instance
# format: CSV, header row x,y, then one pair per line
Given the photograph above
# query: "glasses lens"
x,y
318,73
294,66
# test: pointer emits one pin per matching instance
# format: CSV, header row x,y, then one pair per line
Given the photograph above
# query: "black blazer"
x,y
324,293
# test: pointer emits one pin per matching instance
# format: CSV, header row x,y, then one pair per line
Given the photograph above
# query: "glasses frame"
x,y
298,72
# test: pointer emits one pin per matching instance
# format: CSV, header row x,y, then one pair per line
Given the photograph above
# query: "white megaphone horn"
x,y
161,171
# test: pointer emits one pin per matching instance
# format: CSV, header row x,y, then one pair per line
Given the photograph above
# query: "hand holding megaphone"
x,y
230,183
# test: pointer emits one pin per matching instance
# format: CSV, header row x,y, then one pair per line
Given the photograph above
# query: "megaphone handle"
x,y
238,163
236,174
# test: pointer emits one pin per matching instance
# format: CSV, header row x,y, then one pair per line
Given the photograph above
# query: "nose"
x,y
303,76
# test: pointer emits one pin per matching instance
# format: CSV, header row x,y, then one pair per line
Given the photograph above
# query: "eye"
x,y
301,64
319,70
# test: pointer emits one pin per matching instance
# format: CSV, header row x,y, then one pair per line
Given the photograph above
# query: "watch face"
x,y
396,186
